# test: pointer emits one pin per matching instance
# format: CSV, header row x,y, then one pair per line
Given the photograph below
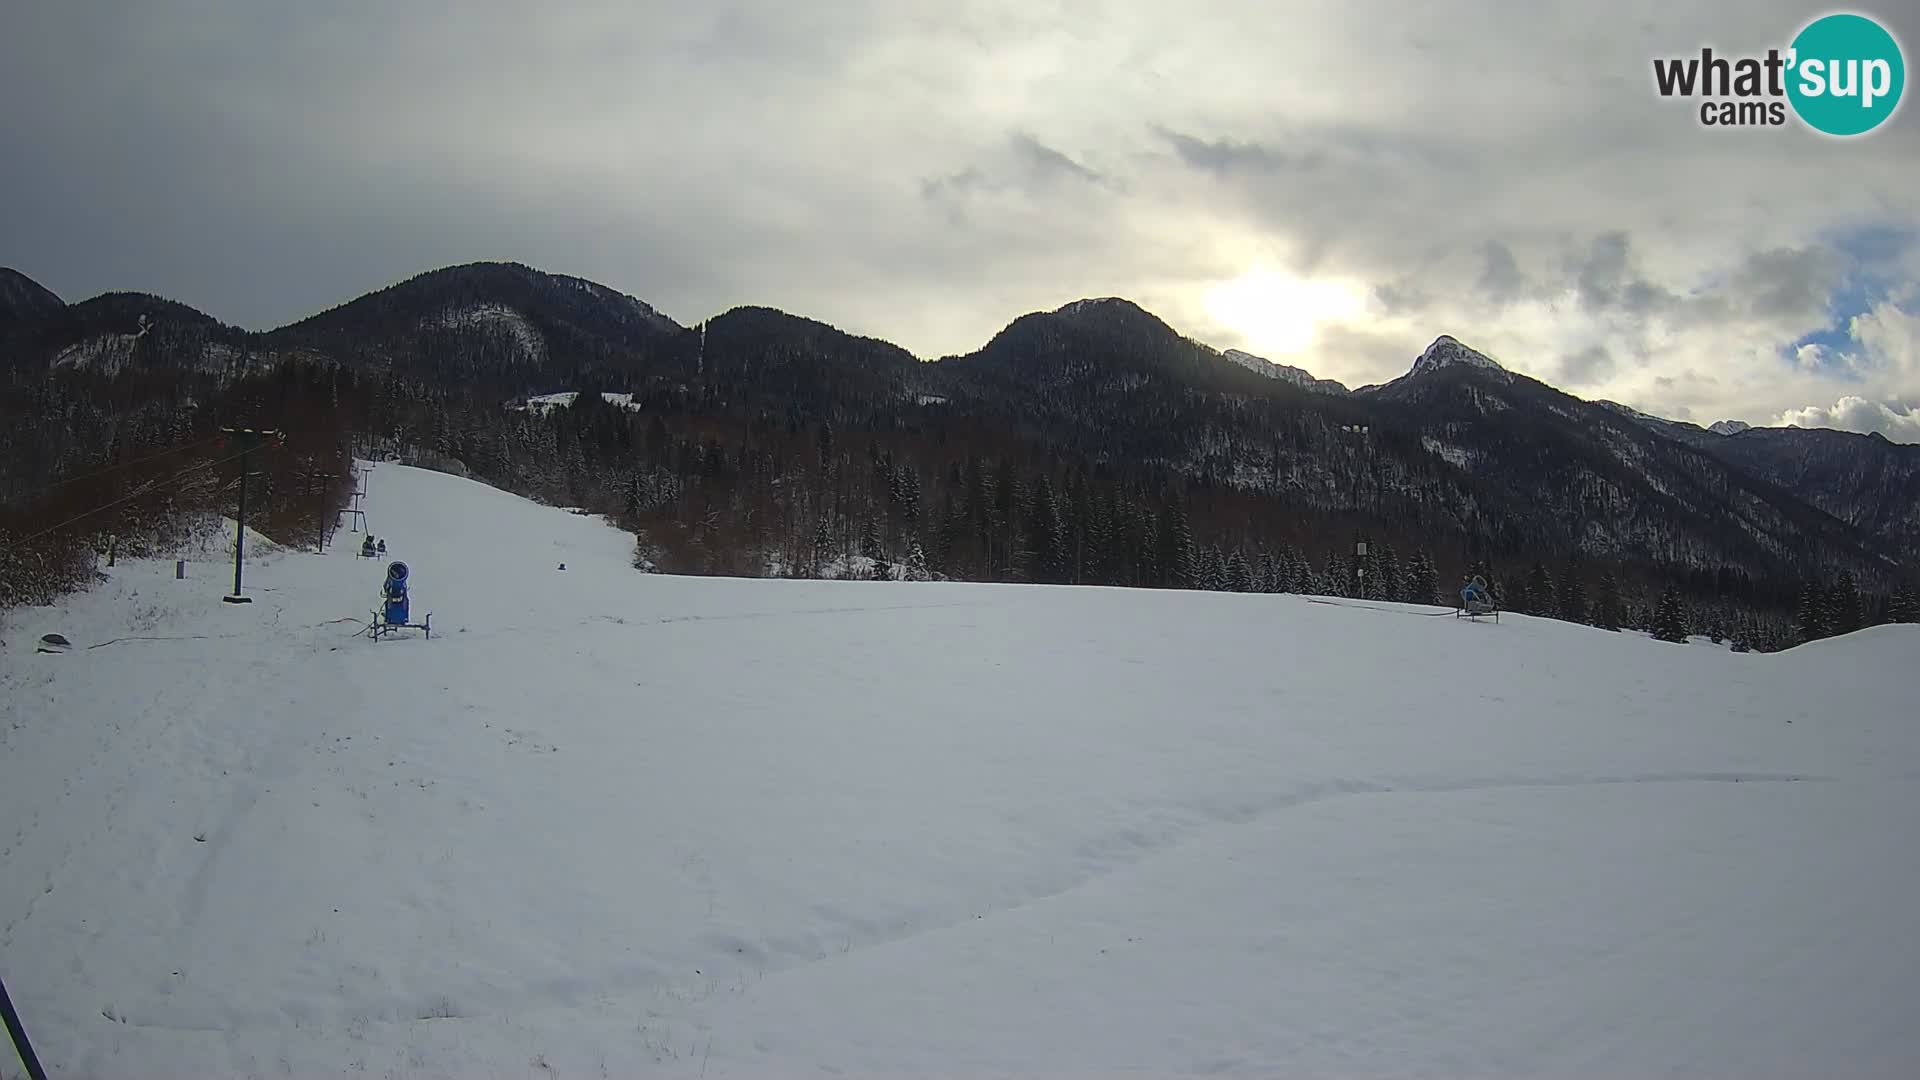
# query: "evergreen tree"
x,y
870,547
1044,540
1904,606
1846,608
1239,576
1421,584
1383,577
1078,517
1810,618
1174,554
1271,577
1296,574
823,552
1213,570
917,562
1573,592
1338,582
1537,596
1607,607
1669,618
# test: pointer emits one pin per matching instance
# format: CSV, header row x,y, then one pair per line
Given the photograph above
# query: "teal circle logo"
x,y
1846,74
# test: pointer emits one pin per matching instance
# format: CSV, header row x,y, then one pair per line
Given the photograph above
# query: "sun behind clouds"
x,y
1277,314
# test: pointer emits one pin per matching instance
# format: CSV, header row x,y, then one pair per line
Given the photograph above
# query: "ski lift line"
x,y
144,489
122,465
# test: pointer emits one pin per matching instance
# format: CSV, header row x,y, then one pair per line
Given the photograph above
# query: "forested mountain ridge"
x,y
1090,442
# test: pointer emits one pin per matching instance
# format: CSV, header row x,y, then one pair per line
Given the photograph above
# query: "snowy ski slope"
x,y
608,824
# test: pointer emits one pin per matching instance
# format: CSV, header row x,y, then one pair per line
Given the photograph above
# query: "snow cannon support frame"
x,y
392,616
1476,602
381,628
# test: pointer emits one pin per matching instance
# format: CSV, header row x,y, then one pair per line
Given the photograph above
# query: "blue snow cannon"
x,y
395,593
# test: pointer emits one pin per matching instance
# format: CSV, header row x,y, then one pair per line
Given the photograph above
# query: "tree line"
x,y
709,487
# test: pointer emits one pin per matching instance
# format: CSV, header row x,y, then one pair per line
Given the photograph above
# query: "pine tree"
x,y
1537,597
1422,582
1271,578
1669,618
1383,577
1607,612
822,544
1175,555
1213,570
1573,593
1904,607
870,547
1338,582
1239,576
917,562
1044,542
1810,618
1846,606
1295,573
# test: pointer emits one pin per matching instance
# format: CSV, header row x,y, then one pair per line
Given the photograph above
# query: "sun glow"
x,y
1278,314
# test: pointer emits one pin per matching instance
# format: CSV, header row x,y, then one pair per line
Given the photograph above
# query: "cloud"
x,y
1503,173
1591,364
1224,157
1042,163
1500,279
1859,414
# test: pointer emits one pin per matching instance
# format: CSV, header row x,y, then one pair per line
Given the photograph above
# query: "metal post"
x,y
19,1033
249,439
240,527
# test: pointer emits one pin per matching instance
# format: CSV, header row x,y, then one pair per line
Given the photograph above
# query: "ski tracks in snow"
x,y
1157,831
1162,829
248,739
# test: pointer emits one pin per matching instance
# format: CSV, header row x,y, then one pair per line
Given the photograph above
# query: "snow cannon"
x,y
395,593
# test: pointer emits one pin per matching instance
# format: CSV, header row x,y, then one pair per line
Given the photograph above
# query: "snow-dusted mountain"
x,y
1098,381
495,324
22,298
1729,427
1300,377
1447,351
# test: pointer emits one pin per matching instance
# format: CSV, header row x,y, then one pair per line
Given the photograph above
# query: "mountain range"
x,y
1459,449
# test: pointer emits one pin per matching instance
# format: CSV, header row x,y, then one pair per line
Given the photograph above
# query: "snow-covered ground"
x,y
608,824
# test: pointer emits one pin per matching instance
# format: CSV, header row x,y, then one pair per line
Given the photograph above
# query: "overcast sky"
x,y
1329,183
